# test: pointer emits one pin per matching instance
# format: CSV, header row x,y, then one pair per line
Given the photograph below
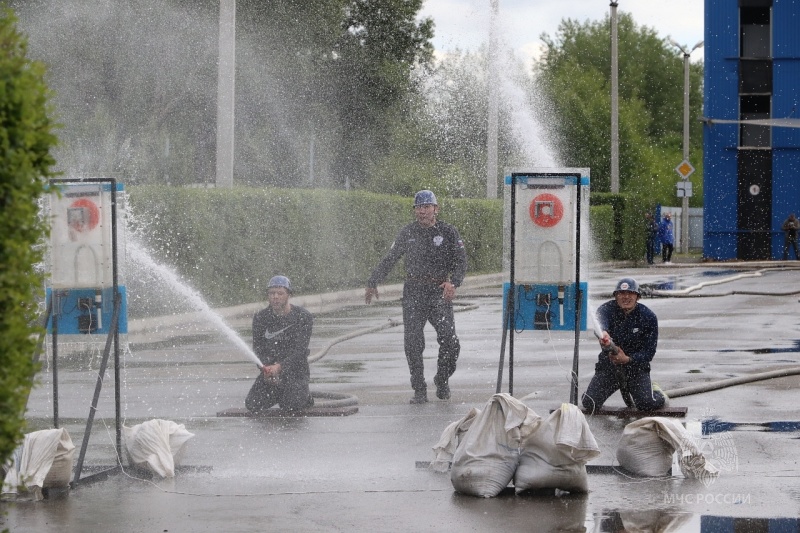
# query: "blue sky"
x,y
464,24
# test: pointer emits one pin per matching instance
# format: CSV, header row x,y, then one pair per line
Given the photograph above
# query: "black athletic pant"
x,y
288,393
422,303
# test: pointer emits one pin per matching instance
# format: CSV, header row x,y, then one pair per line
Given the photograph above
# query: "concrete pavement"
x,y
363,472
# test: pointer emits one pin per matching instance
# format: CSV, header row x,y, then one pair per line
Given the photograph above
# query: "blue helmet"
x,y
627,284
424,197
280,281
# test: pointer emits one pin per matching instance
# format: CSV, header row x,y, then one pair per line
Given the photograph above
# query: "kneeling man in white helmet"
x,y
628,340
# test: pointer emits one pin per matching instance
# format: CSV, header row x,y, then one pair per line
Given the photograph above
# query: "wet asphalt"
x,y
367,471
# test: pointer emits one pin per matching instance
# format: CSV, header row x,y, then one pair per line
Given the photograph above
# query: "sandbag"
x,y
444,450
555,455
648,444
44,460
488,453
156,445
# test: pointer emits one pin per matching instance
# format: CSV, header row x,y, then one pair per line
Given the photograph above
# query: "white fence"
x,y
695,226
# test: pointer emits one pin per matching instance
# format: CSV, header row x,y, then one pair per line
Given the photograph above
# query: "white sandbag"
x,y
444,450
555,455
155,445
487,456
648,444
44,460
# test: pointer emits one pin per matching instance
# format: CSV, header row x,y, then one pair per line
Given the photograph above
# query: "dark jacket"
x,y
790,226
432,255
636,333
284,339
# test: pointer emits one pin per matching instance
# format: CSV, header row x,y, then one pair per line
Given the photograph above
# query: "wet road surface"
x,y
366,472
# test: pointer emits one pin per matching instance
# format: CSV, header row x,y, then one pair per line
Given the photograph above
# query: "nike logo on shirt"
x,y
269,335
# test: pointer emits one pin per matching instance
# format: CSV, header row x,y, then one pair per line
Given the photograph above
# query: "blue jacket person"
x,y
633,328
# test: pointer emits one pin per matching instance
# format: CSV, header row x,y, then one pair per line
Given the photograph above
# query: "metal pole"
x,y
573,392
226,75
614,102
508,315
512,288
117,300
56,311
311,162
491,140
98,387
685,202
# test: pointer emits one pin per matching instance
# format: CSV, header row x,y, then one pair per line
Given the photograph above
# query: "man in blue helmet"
x,y
435,264
281,334
628,340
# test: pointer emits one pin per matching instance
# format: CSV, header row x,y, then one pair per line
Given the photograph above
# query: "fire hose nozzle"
x,y
608,348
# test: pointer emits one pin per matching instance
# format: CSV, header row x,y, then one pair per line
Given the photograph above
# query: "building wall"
x,y
751,173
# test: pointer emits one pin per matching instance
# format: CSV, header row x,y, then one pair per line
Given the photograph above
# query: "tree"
x,y
26,139
380,45
574,72
135,85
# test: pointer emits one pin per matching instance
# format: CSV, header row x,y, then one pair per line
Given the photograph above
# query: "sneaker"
x,y
657,388
419,397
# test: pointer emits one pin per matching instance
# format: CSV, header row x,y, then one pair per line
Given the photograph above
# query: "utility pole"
x,y
226,76
491,140
614,101
685,169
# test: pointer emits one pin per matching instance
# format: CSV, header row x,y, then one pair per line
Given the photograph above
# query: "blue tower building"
x,y
751,140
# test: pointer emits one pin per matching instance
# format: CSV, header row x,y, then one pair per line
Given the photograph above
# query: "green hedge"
x,y
26,139
627,238
229,242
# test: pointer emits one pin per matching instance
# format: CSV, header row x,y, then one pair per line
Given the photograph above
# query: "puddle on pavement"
x,y
713,425
679,283
614,521
795,348
343,366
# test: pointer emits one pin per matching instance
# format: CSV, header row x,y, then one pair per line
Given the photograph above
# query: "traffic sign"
x,y
685,169
684,189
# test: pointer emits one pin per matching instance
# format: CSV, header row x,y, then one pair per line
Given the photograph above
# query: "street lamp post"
x,y
686,87
614,100
491,141
226,77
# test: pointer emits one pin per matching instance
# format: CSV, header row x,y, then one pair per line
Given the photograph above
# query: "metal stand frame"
x,y
113,336
509,313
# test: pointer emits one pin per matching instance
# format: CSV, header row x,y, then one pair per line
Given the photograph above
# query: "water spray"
x,y
140,255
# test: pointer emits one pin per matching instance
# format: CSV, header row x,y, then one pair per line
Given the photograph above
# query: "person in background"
x,y
790,227
435,264
666,232
651,233
628,341
281,334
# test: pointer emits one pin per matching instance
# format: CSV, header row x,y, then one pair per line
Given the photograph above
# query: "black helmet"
x,y
627,284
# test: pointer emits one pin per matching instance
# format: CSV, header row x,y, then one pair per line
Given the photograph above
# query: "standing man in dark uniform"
x,y
790,227
628,343
651,234
281,334
435,263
